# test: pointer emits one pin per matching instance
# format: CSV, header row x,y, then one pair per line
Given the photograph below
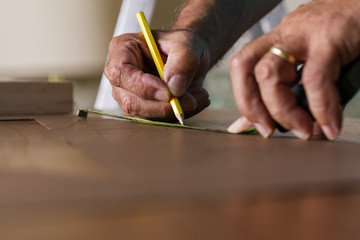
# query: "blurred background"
x,y
68,39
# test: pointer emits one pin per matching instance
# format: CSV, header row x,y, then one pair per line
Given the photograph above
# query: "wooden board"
x,y
71,178
140,160
25,97
310,215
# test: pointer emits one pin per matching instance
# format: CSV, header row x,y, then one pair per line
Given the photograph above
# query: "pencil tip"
x,y
180,117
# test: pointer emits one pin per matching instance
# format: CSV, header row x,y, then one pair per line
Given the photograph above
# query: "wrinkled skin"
x,y
324,35
135,82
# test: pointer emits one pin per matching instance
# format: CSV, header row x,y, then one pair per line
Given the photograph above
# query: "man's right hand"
x,y
134,78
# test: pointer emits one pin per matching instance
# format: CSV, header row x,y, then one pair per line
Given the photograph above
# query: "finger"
x,y
320,73
245,87
125,69
274,75
239,125
187,102
200,101
179,70
201,95
182,62
132,105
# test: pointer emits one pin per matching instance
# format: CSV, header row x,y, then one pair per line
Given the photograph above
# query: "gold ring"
x,y
283,54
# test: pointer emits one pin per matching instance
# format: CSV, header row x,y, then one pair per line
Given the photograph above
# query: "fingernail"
x,y
330,132
300,134
177,85
239,125
162,96
265,132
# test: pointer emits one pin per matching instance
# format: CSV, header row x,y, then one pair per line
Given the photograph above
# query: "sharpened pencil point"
x,y
180,117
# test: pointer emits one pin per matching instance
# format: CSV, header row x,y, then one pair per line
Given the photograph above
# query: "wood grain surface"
x,y
35,97
63,177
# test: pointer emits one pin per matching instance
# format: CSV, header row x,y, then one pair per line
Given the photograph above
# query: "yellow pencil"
x,y
158,62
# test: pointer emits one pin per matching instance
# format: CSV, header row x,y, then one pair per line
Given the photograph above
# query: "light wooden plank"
x,y
21,98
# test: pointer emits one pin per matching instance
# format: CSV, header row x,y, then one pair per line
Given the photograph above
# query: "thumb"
x,y
180,69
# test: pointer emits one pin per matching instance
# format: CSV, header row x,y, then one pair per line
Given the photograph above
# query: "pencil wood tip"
x,y
180,117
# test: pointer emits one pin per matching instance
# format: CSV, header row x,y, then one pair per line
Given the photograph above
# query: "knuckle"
x,y
312,79
150,93
320,109
263,71
164,111
291,17
286,18
113,43
247,106
130,45
278,113
335,18
119,41
244,107
238,61
142,85
112,73
128,105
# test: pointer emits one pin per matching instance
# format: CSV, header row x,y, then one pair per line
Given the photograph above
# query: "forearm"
x,y
221,22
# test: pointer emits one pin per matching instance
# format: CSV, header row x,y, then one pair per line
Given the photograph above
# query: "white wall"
x,y
292,4
65,37
68,37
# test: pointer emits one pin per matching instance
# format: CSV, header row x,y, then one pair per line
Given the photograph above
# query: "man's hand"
x,y
324,35
135,82
201,34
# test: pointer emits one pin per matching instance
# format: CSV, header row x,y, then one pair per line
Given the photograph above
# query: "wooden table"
x,y
64,177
